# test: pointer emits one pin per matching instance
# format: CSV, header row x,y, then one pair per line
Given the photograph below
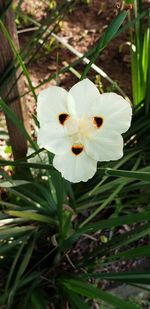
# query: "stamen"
x,y
98,121
62,118
77,149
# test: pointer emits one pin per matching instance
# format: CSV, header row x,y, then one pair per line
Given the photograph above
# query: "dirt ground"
x,y
81,28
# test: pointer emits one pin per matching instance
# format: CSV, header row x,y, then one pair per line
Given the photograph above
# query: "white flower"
x,y
82,127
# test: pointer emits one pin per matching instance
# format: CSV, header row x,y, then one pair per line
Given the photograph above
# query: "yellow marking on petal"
x,y
77,149
98,121
63,117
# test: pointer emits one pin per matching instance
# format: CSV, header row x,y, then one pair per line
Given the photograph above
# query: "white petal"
x,y
105,145
115,110
84,93
52,102
75,168
54,137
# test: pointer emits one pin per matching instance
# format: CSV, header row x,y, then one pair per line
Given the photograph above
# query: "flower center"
x,y
84,127
80,129
77,149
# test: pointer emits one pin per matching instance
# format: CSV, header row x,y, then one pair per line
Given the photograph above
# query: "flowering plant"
x,y
82,127
63,245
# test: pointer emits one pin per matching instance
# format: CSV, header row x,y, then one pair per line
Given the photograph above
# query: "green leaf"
x,y
58,184
147,100
75,300
31,216
26,164
107,37
17,55
32,47
109,223
21,247
88,290
134,277
129,1
129,174
89,53
117,242
132,253
10,245
113,29
20,272
18,123
14,231
105,203
13,183
5,8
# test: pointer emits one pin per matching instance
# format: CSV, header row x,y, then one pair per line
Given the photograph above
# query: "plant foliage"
x,y
57,239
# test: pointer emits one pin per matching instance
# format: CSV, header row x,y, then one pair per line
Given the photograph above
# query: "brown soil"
x,y
82,28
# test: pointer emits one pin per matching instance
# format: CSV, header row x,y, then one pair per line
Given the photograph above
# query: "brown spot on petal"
x,y
77,149
98,121
62,118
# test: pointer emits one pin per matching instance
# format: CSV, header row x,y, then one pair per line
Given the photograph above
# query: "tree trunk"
x,y
12,98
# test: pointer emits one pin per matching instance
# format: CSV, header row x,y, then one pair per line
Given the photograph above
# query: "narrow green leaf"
x,y
75,300
20,272
129,174
31,216
117,242
21,247
32,47
18,123
13,183
107,37
147,100
88,290
14,231
105,203
113,28
26,164
109,223
134,277
5,8
17,55
58,184
8,247
132,253
24,198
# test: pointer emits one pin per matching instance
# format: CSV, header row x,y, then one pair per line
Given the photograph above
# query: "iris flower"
x,y
82,127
